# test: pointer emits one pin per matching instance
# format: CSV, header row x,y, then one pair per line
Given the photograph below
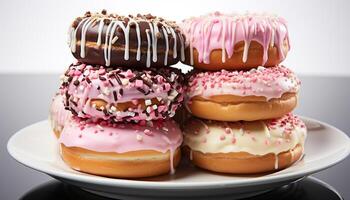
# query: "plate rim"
x,y
141,184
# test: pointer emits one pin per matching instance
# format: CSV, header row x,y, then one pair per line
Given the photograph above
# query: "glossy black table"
x,y
308,188
25,99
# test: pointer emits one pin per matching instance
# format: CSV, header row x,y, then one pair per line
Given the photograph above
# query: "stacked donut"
x,y
239,94
113,113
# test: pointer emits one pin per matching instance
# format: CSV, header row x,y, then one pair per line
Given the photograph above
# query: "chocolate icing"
x,y
96,52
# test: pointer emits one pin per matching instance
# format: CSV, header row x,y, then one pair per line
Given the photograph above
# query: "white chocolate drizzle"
x,y
100,27
276,161
148,62
166,46
83,36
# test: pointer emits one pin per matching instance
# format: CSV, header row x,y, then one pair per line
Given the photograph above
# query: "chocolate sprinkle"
x,y
118,79
70,79
76,82
138,76
121,75
74,103
105,112
102,78
115,95
121,91
74,112
88,80
141,90
111,82
148,83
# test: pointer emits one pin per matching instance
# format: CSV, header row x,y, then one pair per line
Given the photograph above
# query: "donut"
x,y
58,115
262,93
245,147
123,150
121,94
130,41
222,41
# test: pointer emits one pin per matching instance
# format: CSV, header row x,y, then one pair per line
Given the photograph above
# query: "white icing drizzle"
x,y
233,33
85,27
138,53
172,168
100,28
166,46
126,35
148,62
74,36
108,45
276,161
154,42
223,51
126,31
246,41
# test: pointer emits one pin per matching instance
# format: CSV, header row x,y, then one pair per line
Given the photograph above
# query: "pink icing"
x,y
223,31
270,82
58,114
161,136
82,83
287,122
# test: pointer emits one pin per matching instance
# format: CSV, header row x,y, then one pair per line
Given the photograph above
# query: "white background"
x,y
33,33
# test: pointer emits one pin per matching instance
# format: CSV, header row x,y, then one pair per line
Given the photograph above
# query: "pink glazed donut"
x,y
261,93
119,94
124,150
58,114
221,41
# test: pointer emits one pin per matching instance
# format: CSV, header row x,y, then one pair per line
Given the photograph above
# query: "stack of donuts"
x,y
113,113
240,96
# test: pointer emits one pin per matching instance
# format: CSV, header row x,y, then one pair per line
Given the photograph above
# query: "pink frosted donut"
x,y
261,93
121,94
221,41
58,114
121,149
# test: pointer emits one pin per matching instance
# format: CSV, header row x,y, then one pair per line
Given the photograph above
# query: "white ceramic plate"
x,y
36,147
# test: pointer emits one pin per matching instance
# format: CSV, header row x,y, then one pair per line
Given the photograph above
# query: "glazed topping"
x,y
146,40
58,114
270,82
256,137
119,94
159,135
223,31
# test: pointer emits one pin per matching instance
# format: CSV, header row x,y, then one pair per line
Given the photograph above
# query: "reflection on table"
x,y
306,189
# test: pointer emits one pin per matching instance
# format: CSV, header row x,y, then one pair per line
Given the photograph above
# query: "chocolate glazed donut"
x,y
114,40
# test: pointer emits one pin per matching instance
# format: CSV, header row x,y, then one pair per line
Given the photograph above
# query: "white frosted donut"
x,y
246,141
